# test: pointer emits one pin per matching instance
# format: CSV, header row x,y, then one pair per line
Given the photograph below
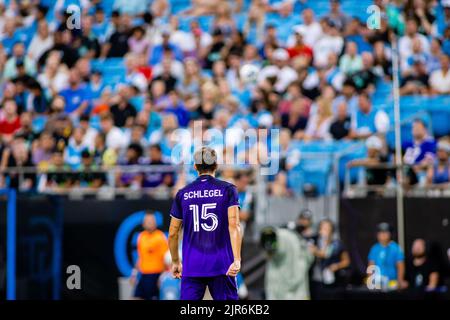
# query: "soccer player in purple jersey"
x,y
208,209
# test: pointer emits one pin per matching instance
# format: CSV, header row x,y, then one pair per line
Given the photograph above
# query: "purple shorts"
x,y
220,287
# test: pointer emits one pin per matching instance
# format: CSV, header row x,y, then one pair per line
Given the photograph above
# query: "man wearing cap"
x,y
439,172
280,70
304,225
388,258
374,176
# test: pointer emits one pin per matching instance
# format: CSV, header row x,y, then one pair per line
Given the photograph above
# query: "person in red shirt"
x,y
9,118
300,48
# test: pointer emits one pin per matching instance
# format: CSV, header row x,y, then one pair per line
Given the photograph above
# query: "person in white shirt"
x,y
318,127
440,79
133,76
331,41
311,29
280,70
41,42
405,44
115,137
54,77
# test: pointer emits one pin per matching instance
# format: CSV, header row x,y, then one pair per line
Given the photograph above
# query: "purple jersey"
x,y
203,207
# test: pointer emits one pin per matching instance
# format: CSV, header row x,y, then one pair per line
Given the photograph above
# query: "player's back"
x,y
203,207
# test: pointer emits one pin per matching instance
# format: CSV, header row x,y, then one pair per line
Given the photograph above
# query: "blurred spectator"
x,y
440,79
347,95
421,272
18,156
388,257
318,127
304,226
433,62
365,79
159,177
339,18
133,157
311,29
417,80
166,47
330,269
364,119
18,58
76,95
405,44
278,70
351,61
122,110
41,42
299,48
89,174
288,265
9,118
134,76
72,154
242,182
422,149
87,44
167,73
151,247
58,173
439,172
117,43
62,44
115,138
54,76
331,41
376,175
137,42
340,128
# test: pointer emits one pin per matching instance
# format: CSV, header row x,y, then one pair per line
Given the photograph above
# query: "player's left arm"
x,y
234,228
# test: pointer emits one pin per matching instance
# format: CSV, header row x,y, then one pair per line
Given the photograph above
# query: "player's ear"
x,y
195,167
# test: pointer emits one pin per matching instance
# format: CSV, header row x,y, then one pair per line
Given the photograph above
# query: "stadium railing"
x,y
359,188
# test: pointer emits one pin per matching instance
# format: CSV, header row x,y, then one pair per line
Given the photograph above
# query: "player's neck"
x,y
212,174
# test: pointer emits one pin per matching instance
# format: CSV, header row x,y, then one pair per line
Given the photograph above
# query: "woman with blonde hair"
x,y
192,79
319,123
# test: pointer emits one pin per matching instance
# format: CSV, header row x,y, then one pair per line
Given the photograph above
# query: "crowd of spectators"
x,y
61,109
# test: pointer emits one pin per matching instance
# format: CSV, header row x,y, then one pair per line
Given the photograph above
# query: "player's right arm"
x,y
174,233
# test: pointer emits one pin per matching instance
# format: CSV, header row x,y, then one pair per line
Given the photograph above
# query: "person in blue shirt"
x,y
422,148
158,51
77,95
177,107
388,257
363,120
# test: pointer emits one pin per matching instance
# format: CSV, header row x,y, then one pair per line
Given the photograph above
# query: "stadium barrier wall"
x,y
99,237
55,232
425,218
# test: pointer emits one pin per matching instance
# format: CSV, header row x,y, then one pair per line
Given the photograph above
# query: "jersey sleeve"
x,y
233,198
176,210
400,256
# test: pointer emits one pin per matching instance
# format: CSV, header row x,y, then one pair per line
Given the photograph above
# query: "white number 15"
x,y
205,215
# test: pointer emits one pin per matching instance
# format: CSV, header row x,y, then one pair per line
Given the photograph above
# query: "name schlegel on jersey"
x,y
203,194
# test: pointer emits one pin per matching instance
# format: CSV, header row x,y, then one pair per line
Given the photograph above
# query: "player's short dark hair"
x,y
205,160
